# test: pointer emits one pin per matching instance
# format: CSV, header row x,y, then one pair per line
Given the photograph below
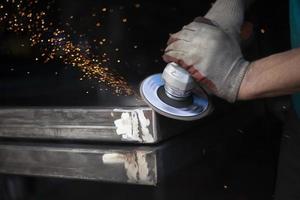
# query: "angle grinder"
x,y
174,94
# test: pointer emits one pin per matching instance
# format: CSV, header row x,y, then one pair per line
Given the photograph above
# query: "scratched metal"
x,y
90,124
144,165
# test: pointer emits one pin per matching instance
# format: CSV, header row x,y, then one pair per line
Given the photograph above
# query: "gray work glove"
x,y
209,49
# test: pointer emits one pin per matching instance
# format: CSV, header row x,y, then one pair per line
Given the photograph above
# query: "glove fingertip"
x,y
168,58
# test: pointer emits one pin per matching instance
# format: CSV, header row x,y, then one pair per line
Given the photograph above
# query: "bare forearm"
x,y
275,75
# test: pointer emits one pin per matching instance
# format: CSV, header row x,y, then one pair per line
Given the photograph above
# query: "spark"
x,y
56,43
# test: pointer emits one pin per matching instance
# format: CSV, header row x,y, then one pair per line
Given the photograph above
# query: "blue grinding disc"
x,y
198,108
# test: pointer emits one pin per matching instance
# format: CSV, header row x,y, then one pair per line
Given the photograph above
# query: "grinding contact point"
x,y
192,108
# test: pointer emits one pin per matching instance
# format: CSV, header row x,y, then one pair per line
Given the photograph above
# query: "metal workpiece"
x,y
126,124
86,163
144,165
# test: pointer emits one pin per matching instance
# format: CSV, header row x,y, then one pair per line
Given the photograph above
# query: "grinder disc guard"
x,y
150,90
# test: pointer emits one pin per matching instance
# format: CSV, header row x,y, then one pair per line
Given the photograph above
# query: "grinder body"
x,y
174,94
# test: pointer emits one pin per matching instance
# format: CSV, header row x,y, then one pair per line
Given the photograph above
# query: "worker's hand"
x,y
211,55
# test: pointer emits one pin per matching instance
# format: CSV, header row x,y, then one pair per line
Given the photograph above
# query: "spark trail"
x,y
54,42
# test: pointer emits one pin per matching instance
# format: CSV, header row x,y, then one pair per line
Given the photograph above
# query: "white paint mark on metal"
x,y
143,167
133,125
124,125
145,123
127,127
137,168
132,168
135,164
113,158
